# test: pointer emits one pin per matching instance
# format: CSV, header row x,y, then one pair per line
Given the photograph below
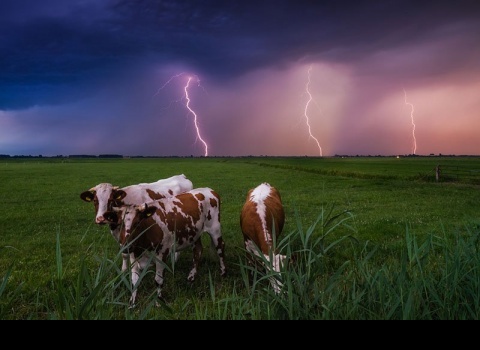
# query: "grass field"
x,y
387,214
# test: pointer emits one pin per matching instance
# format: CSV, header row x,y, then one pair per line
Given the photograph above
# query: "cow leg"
x,y
249,257
275,265
219,245
160,271
137,265
135,272
197,254
125,258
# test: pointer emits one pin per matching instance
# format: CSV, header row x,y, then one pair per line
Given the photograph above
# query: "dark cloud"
x,y
56,42
117,53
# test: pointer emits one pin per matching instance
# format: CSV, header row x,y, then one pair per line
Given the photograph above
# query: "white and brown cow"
x,y
166,225
262,219
105,196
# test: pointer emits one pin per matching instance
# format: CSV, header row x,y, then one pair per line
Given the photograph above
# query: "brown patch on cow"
x,y
213,202
122,238
155,195
183,227
200,196
217,204
146,235
161,214
175,219
161,205
95,204
188,203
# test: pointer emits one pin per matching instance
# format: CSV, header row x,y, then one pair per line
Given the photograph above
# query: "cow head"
x,y
129,216
146,211
102,198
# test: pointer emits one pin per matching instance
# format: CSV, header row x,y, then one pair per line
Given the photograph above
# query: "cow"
x,y
167,225
261,220
105,196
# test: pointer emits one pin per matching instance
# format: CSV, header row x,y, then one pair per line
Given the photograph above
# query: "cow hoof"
x,y
192,275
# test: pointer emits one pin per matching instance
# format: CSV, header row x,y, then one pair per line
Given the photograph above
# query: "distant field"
x,y
386,196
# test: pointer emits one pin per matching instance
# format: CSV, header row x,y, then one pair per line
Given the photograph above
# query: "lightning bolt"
x,y
194,115
187,104
310,99
413,123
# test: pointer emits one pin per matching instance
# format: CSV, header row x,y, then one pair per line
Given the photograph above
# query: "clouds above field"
x,y
110,76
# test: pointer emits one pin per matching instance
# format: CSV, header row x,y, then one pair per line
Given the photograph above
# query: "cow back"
x,y
147,192
262,216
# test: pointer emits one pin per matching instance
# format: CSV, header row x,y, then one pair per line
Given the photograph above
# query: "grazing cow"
x,y
263,216
105,196
166,225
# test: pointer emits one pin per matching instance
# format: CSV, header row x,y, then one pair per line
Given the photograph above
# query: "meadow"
x,y
377,238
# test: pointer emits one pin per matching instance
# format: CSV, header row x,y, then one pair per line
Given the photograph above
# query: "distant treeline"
x,y
249,156
69,156
89,156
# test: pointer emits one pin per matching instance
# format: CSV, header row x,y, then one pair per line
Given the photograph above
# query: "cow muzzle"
x,y
100,220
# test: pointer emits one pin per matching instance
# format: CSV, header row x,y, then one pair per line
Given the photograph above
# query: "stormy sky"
x,y
238,78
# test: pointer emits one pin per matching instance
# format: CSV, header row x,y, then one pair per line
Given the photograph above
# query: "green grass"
x,y
378,238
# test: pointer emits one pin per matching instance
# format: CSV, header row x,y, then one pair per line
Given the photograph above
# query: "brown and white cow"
x,y
262,219
167,225
105,196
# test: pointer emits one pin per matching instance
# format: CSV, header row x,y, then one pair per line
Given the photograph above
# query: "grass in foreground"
x,y
432,278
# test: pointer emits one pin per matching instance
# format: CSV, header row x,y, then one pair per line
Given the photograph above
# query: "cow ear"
x,y
149,211
87,196
119,195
